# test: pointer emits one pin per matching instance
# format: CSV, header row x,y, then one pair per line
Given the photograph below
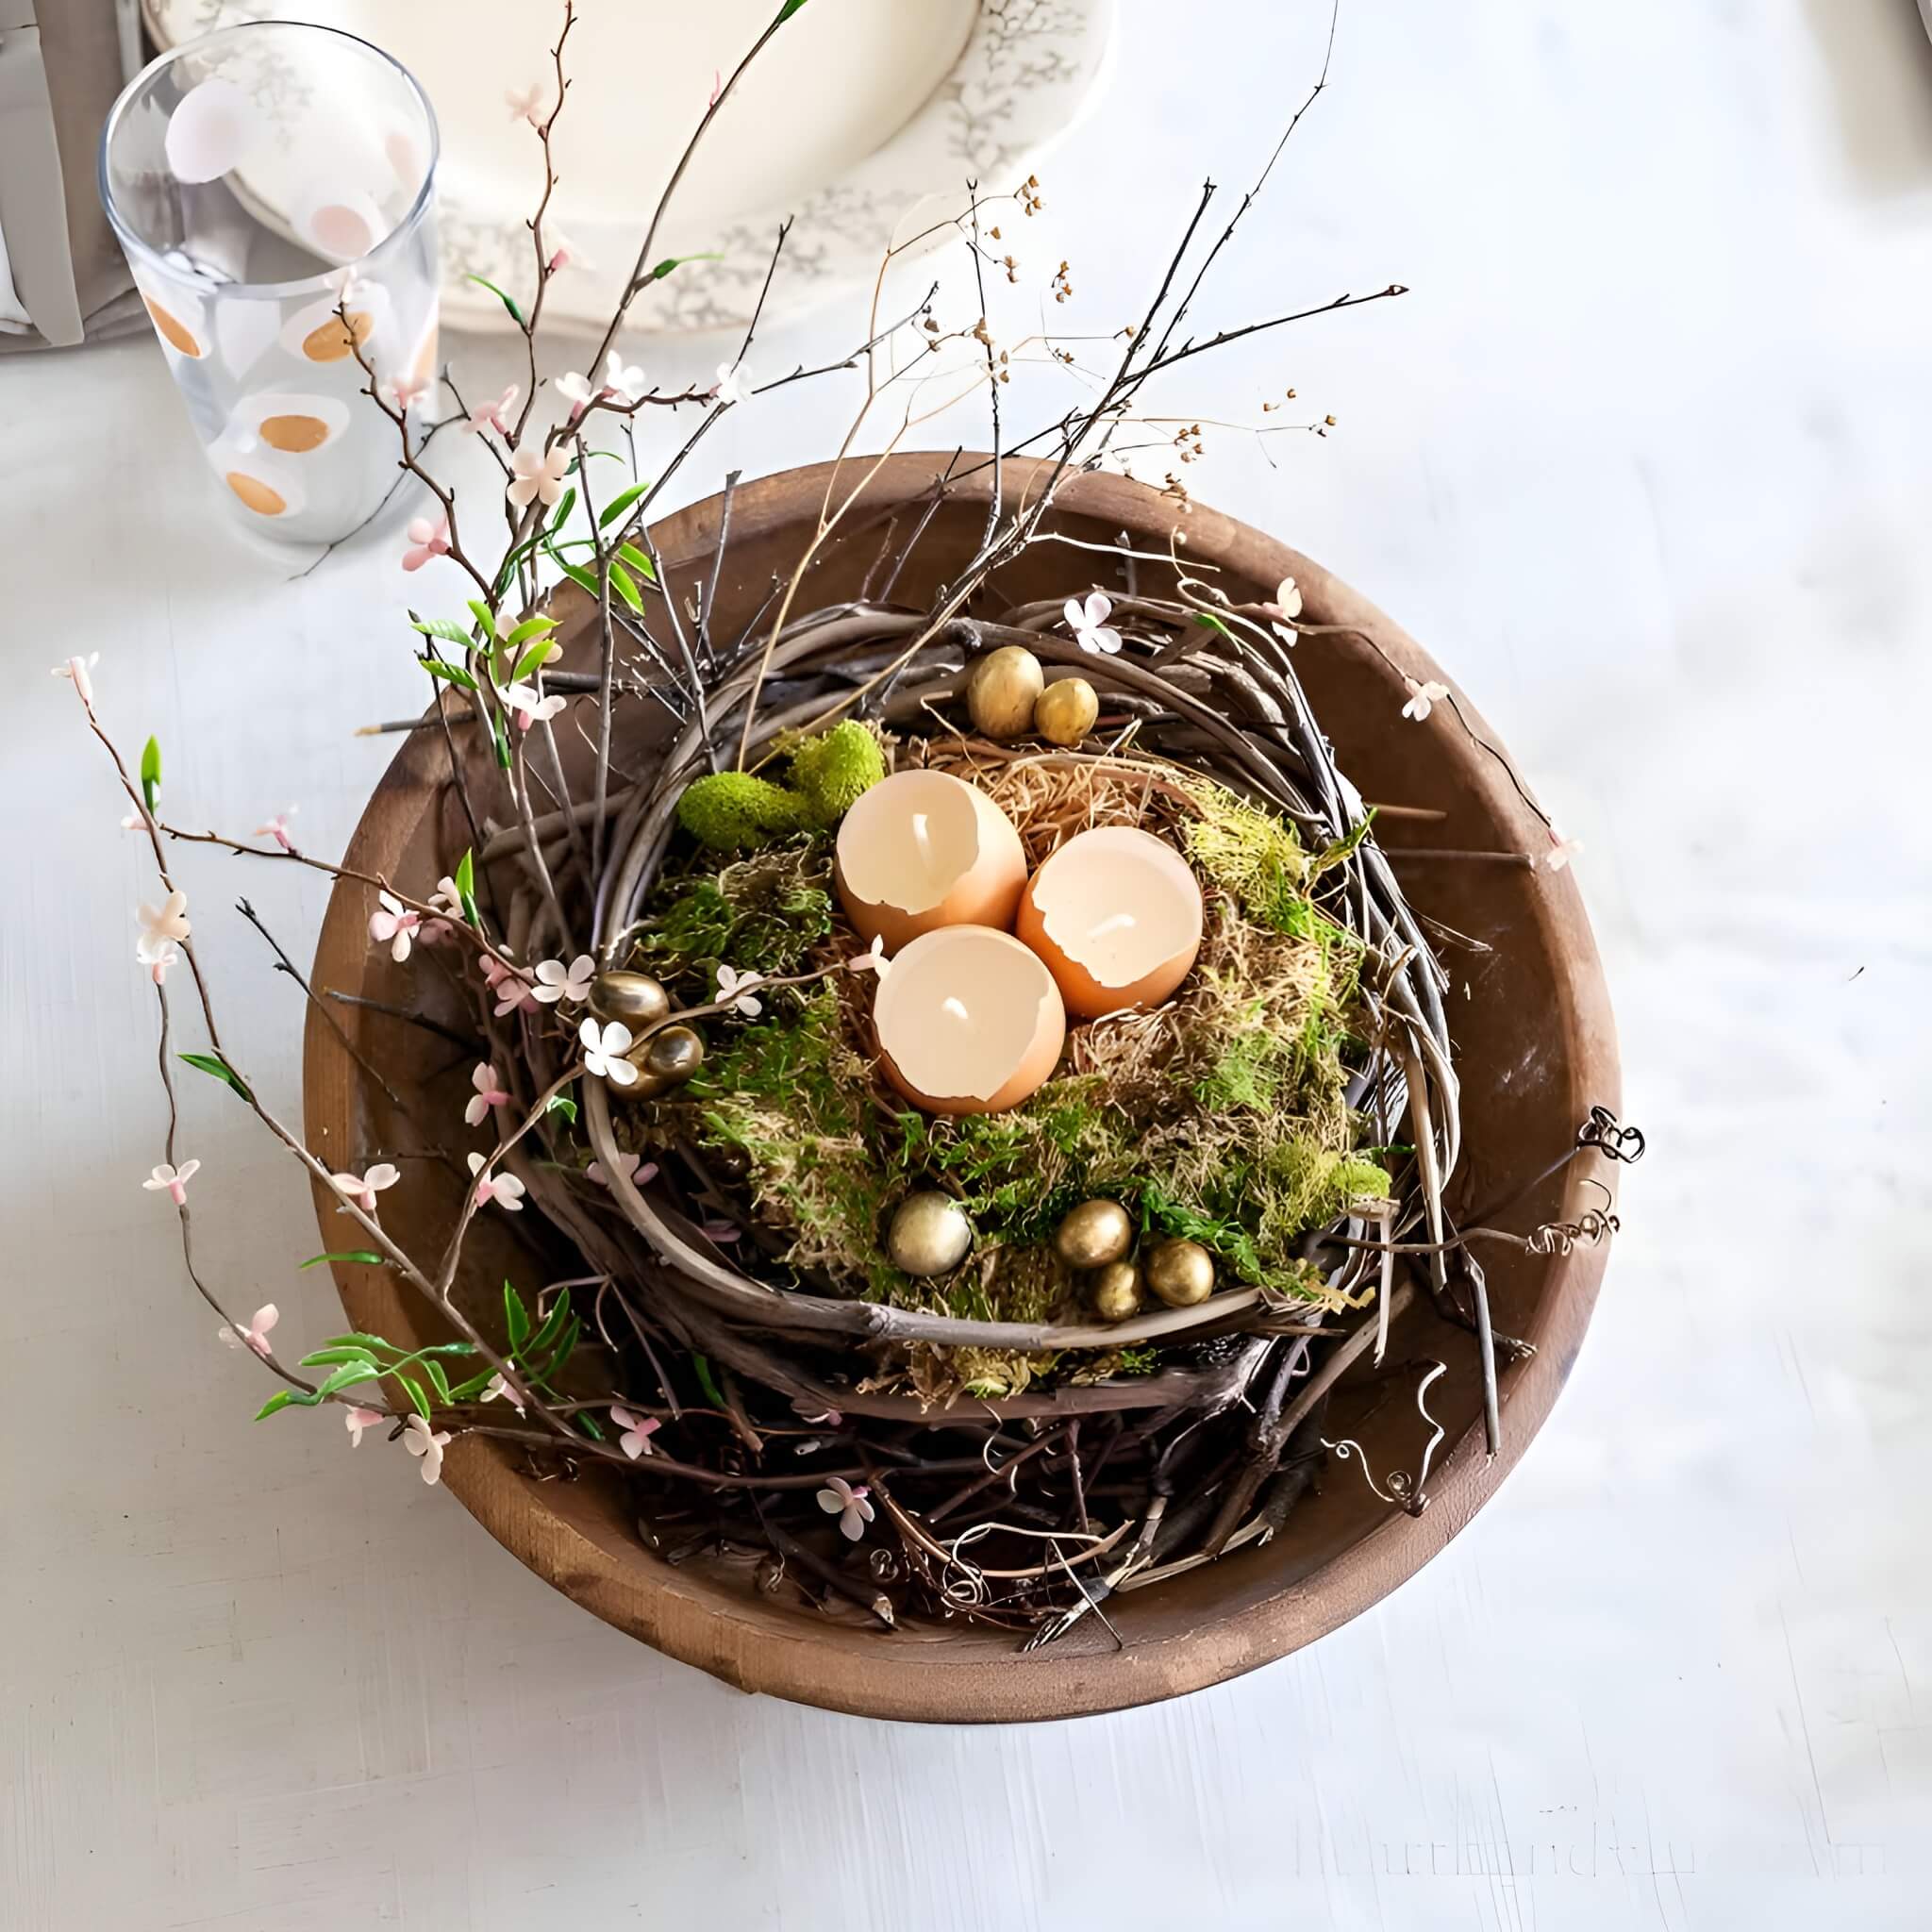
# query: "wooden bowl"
x,y
1536,1051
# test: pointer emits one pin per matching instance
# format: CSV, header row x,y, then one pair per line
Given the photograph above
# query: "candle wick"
x,y
956,1007
1119,922
922,839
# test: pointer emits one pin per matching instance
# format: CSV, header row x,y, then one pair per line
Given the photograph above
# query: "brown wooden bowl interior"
x,y
1535,1049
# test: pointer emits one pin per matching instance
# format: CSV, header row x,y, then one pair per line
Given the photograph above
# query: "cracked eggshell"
x,y
968,1020
923,850
1116,915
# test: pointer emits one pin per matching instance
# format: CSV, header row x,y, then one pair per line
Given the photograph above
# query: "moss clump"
x,y
831,772
1256,859
763,913
730,810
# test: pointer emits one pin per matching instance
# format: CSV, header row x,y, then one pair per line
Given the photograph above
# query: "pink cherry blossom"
x,y
256,1335
848,1504
512,988
78,669
624,382
173,1180
504,1189
734,384
159,930
806,1410
356,1420
490,1092
363,1189
420,1440
428,537
499,1384
394,926
633,1167
408,391
278,828
577,390
1423,696
531,705
1561,850
493,415
159,960
638,1430
527,103
537,476
555,981
1088,622
566,255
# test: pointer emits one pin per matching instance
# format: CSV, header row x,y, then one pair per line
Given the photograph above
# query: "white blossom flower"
x,y
356,1419
1089,623
604,1051
420,1440
504,1189
555,981
527,103
173,1180
638,1430
735,990
567,254
734,383
531,705
1287,598
577,390
493,415
500,1385
78,669
539,476
394,926
160,929
1422,697
633,1167
872,960
408,391
488,1093
848,1504
363,1189
256,1335
1561,851
626,383
278,828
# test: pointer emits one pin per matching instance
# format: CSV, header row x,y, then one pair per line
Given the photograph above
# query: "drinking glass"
x,y
273,186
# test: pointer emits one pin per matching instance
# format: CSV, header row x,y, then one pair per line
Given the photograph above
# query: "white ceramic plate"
x,y
860,109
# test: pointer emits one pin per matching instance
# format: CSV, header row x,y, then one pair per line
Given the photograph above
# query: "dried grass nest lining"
x,y
1221,1116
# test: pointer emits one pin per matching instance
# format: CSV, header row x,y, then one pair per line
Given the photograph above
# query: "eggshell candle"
x,y
1116,915
922,850
968,1020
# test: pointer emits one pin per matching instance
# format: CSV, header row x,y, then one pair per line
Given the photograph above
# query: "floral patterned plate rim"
x,y
1027,71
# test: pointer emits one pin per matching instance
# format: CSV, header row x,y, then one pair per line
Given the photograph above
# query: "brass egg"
x,y
1094,1234
1116,1291
666,1059
1180,1273
929,1234
634,998
1003,689
1066,710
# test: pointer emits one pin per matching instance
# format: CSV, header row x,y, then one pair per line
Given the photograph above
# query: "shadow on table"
x,y
1880,56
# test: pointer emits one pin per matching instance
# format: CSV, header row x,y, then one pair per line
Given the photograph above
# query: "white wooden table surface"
x,y
1644,459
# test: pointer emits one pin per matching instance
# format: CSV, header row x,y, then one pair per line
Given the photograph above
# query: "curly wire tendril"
x,y
1605,1133
1405,1491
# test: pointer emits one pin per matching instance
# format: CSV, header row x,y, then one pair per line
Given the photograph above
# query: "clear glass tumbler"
x,y
273,186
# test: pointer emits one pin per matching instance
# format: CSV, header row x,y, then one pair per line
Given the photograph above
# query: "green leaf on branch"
x,y
151,773
464,879
638,561
439,1379
530,627
1208,621
534,659
367,1258
516,1318
501,737
786,11
516,314
707,1381
278,1401
337,1356
625,586
565,504
677,261
587,1423
216,1068
619,504
449,631
418,1401
344,1377
581,578
563,1103
486,622
450,673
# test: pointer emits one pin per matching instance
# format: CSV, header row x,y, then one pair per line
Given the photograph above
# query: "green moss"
x,y
763,913
1256,859
728,812
834,771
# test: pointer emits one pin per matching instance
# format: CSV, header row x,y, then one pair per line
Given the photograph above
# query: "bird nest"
x,y
1291,1108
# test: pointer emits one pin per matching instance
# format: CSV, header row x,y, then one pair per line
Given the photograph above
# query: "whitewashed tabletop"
x,y
1643,459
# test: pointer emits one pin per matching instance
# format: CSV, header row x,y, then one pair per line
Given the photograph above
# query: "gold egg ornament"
x,y
1066,712
1094,1234
1116,1291
666,1058
1003,689
634,998
1181,1272
929,1234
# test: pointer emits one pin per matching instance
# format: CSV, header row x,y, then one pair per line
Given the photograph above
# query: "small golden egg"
x,y
667,1058
1180,1273
1117,1291
1066,710
1003,689
634,998
929,1234
1094,1234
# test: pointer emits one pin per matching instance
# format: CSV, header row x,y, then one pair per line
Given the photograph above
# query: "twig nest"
x,y
634,998
922,850
668,1059
1116,1291
1181,1272
968,1020
1066,710
1116,914
1094,1234
929,1234
1003,689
